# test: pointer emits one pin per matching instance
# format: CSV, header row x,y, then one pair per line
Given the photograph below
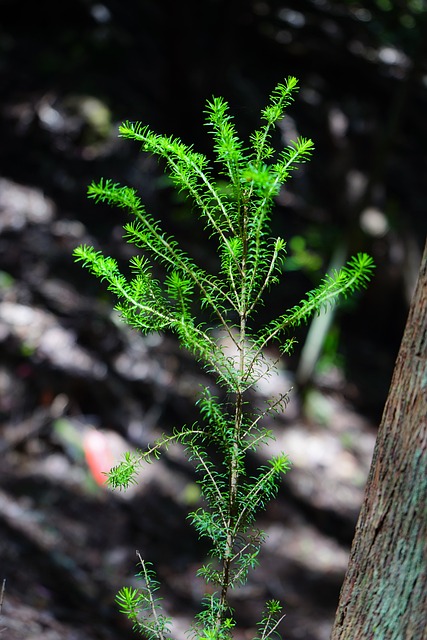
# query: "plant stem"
x,y
238,421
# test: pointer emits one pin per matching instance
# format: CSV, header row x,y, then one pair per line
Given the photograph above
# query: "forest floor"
x,y
72,377
70,372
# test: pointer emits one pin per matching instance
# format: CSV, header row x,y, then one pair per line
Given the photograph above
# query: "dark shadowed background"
x,y
71,375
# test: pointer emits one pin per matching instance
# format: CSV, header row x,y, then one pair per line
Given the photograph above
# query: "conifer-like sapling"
x,y
238,219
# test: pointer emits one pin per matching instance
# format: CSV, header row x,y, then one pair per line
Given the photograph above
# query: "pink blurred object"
x,y
99,455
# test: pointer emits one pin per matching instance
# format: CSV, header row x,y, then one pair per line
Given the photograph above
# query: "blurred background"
x,y
77,387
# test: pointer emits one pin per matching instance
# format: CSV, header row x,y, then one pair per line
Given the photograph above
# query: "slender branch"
x,y
175,259
215,485
266,632
266,282
329,292
283,399
168,152
254,492
153,608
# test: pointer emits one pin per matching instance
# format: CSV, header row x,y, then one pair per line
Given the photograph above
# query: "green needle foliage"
x,y
238,219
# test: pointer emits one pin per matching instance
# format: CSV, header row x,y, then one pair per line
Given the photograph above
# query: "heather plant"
x,y
193,304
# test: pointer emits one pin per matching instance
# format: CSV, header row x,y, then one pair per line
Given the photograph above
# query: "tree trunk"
x,y
384,595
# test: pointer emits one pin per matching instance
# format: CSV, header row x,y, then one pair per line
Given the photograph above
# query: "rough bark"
x,y
384,595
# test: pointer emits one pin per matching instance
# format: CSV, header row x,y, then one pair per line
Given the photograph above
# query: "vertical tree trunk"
x,y
384,595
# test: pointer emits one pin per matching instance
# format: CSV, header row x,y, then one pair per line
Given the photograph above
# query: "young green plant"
x,y
238,219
